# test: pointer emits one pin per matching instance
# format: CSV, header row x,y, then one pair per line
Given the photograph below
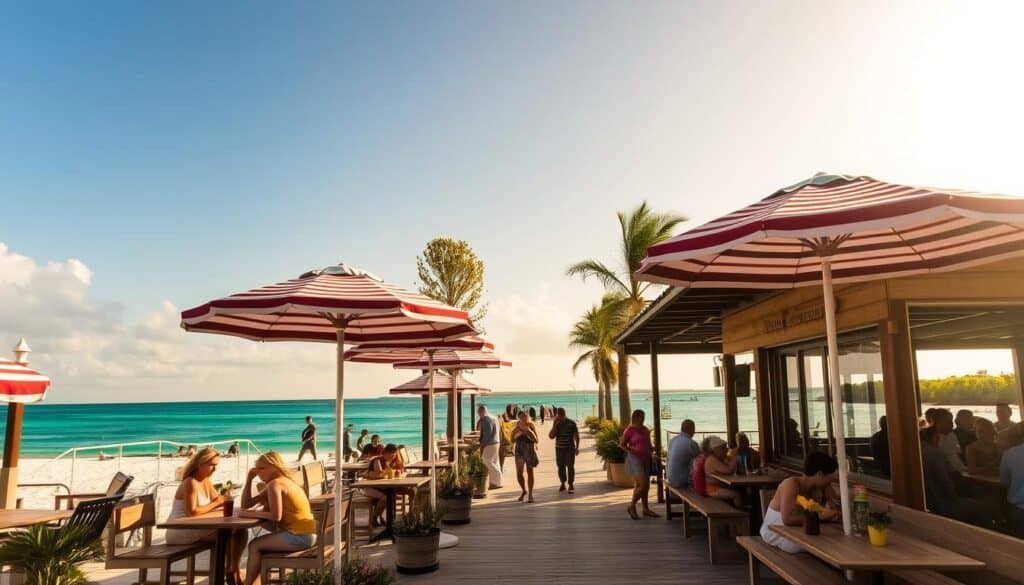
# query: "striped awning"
x,y
883,230
442,385
22,384
310,307
457,359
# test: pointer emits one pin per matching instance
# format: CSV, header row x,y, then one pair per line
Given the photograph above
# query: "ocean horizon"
x,y
51,429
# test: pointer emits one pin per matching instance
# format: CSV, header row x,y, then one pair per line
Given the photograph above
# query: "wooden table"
x,y
224,526
988,479
389,487
20,518
856,553
754,480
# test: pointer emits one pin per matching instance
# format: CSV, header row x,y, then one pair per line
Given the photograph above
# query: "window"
x,y
804,400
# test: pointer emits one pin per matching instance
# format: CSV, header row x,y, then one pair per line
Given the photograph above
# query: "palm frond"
x,y
596,269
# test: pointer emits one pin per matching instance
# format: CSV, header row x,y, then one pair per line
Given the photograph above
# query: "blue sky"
x,y
155,155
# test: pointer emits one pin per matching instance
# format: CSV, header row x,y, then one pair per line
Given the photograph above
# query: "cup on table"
x,y
229,508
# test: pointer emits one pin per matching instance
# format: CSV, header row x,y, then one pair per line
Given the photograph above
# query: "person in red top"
x,y
636,441
697,477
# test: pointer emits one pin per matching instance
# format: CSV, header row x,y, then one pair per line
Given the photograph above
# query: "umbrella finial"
x,y
21,352
340,269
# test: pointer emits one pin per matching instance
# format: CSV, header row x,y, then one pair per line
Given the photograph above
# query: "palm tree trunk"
x,y
625,408
608,400
600,401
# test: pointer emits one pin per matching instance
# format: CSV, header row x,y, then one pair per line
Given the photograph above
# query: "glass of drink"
x,y
229,507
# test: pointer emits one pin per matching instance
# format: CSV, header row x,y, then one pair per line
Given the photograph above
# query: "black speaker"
x,y
741,380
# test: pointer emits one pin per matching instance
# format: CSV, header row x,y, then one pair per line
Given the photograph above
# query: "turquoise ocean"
x,y
50,429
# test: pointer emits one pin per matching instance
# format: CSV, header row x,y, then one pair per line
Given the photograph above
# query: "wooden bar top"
x,y
855,552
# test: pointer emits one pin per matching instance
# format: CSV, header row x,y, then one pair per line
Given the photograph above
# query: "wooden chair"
x,y
140,514
319,555
91,517
314,478
117,487
766,499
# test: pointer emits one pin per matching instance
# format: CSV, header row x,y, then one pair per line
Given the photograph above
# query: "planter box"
x,y
416,554
456,508
618,476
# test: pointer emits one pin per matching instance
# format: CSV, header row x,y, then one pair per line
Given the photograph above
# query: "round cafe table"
x,y
224,526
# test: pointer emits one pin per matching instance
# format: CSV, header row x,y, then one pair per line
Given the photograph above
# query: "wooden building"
x,y
881,325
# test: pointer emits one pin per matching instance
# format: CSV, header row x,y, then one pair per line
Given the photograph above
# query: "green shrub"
x,y
607,440
355,572
592,423
475,464
421,519
50,556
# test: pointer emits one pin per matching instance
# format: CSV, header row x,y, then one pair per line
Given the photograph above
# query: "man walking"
x,y
490,442
567,447
308,439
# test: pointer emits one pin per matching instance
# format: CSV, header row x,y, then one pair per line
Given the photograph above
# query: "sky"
x,y
156,155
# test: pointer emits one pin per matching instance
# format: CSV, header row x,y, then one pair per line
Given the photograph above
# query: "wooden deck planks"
x,y
577,539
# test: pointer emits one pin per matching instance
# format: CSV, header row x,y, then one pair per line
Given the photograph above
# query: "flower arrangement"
x,y
226,488
879,520
809,506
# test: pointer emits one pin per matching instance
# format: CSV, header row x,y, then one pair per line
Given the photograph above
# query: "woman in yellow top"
x,y
282,503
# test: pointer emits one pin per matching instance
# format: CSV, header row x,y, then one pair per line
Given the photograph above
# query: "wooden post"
x,y
766,434
472,411
625,407
656,400
732,417
1018,371
427,453
901,407
12,445
458,412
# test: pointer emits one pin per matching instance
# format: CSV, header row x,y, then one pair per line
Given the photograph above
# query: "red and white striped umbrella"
x,y
457,359
877,230
380,353
339,304
840,228
441,382
21,384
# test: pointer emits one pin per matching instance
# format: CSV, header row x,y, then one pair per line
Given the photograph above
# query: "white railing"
x,y
161,453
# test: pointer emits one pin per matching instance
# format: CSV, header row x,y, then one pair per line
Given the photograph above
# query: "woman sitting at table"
x,y
718,462
284,505
197,496
381,467
744,450
983,454
816,484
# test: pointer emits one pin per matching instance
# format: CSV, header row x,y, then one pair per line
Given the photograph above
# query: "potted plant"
x,y
457,496
417,539
878,528
812,514
614,456
477,471
355,571
50,556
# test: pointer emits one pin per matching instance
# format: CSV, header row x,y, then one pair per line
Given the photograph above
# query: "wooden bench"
x,y
140,514
796,569
718,513
1001,553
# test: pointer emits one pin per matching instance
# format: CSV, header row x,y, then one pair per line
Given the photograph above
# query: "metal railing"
x,y
161,454
752,434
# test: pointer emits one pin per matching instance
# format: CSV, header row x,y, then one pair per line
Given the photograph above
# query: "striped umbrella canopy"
x,y
338,304
442,382
457,359
838,228
21,384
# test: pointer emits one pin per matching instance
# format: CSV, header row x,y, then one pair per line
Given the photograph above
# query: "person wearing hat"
x,y
718,462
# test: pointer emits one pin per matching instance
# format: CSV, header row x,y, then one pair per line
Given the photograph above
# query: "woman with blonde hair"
x,y
196,496
284,505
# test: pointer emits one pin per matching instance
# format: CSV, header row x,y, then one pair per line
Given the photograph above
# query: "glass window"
x,y
860,378
817,429
792,439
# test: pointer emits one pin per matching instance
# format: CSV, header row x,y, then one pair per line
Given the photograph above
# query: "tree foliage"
x,y
594,333
975,389
450,271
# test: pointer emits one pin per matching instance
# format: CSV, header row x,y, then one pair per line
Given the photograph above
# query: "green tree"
x,y
595,334
450,271
641,228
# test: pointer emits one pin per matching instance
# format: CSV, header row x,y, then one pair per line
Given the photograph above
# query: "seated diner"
x,y
815,484
285,508
717,461
385,466
373,449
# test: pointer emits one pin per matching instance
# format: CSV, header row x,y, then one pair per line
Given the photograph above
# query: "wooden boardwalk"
x,y
563,539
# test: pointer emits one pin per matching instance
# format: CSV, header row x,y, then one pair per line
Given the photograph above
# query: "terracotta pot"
x,y
812,523
417,553
878,536
618,475
480,485
456,508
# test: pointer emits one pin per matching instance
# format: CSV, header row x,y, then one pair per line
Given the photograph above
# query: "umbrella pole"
x,y
837,396
12,444
339,415
429,447
453,441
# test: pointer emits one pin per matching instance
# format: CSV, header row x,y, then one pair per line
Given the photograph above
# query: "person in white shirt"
x,y
948,442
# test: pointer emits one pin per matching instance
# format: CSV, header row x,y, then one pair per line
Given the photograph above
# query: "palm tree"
x,y
595,333
641,229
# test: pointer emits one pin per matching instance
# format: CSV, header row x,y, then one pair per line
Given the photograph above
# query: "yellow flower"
x,y
809,505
